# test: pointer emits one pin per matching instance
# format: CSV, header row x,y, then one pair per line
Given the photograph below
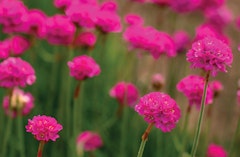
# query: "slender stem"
x,y
40,148
144,140
234,138
6,136
124,131
21,134
197,134
76,109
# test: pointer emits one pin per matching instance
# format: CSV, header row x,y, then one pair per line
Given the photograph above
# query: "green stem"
x,y
197,134
234,138
40,148
144,140
6,137
21,135
124,131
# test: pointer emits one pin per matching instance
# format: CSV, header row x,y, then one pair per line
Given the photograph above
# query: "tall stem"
x,y
197,134
21,134
76,109
144,140
124,130
40,148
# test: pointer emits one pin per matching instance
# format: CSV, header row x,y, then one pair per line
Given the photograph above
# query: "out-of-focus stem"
x,y
21,134
40,148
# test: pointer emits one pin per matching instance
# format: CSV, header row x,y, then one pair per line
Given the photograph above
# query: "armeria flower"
x,y
87,39
88,141
158,81
159,109
44,128
212,4
182,40
5,48
185,6
214,150
192,87
60,30
19,45
134,19
125,93
20,101
12,15
109,6
16,72
210,54
83,67
216,86
62,4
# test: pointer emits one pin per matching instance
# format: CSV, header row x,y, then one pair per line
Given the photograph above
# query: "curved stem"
x,y
197,134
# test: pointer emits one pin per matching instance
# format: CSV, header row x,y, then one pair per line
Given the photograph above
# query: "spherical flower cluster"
x,y
61,3
87,39
89,141
158,81
125,93
60,30
216,151
16,72
159,109
210,54
192,87
182,40
20,101
185,6
83,67
44,128
134,19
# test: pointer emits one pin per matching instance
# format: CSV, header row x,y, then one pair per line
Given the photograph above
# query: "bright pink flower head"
x,y
133,19
159,109
62,4
109,6
210,54
184,6
158,81
216,86
19,45
125,93
20,101
216,151
35,23
192,87
182,40
83,14
12,15
87,39
89,141
60,30
44,128
212,4
83,67
5,49
16,72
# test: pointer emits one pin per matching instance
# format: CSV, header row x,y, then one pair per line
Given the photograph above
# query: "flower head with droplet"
x,y
44,128
210,54
216,151
159,109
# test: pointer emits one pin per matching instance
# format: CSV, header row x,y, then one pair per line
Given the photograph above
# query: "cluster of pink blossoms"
x,y
20,101
125,93
148,38
44,128
158,81
83,67
159,109
214,150
89,141
182,40
85,39
16,72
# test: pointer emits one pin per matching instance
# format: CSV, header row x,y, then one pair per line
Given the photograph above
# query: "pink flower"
x,y
89,141
182,40
44,128
212,4
20,101
109,6
133,19
62,3
184,6
210,54
159,109
216,86
192,87
87,39
5,48
12,15
16,72
125,93
140,1
60,30
19,45
83,67
216,151
158,81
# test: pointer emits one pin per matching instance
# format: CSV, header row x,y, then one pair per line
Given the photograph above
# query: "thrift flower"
x,y
161,2
88,141
5,49
216,86
185,6
159,109
19,45
216,151
87,39
158,81
182,40
212,4
210,54
62,4
83,67
16,72
133,19
125,93
192,87
20,101
238,97
44,128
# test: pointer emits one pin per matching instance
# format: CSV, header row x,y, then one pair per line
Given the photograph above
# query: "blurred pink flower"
x,y
140,1
109,6
19,45
62,4
210,54
182,40
185,6
133,19
88,141
125,93
211,4
83,67
44,128
20,101
12,15
192,87
5,48
216,86
87,39
159,109
214,150
60,30
16,72
158,81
